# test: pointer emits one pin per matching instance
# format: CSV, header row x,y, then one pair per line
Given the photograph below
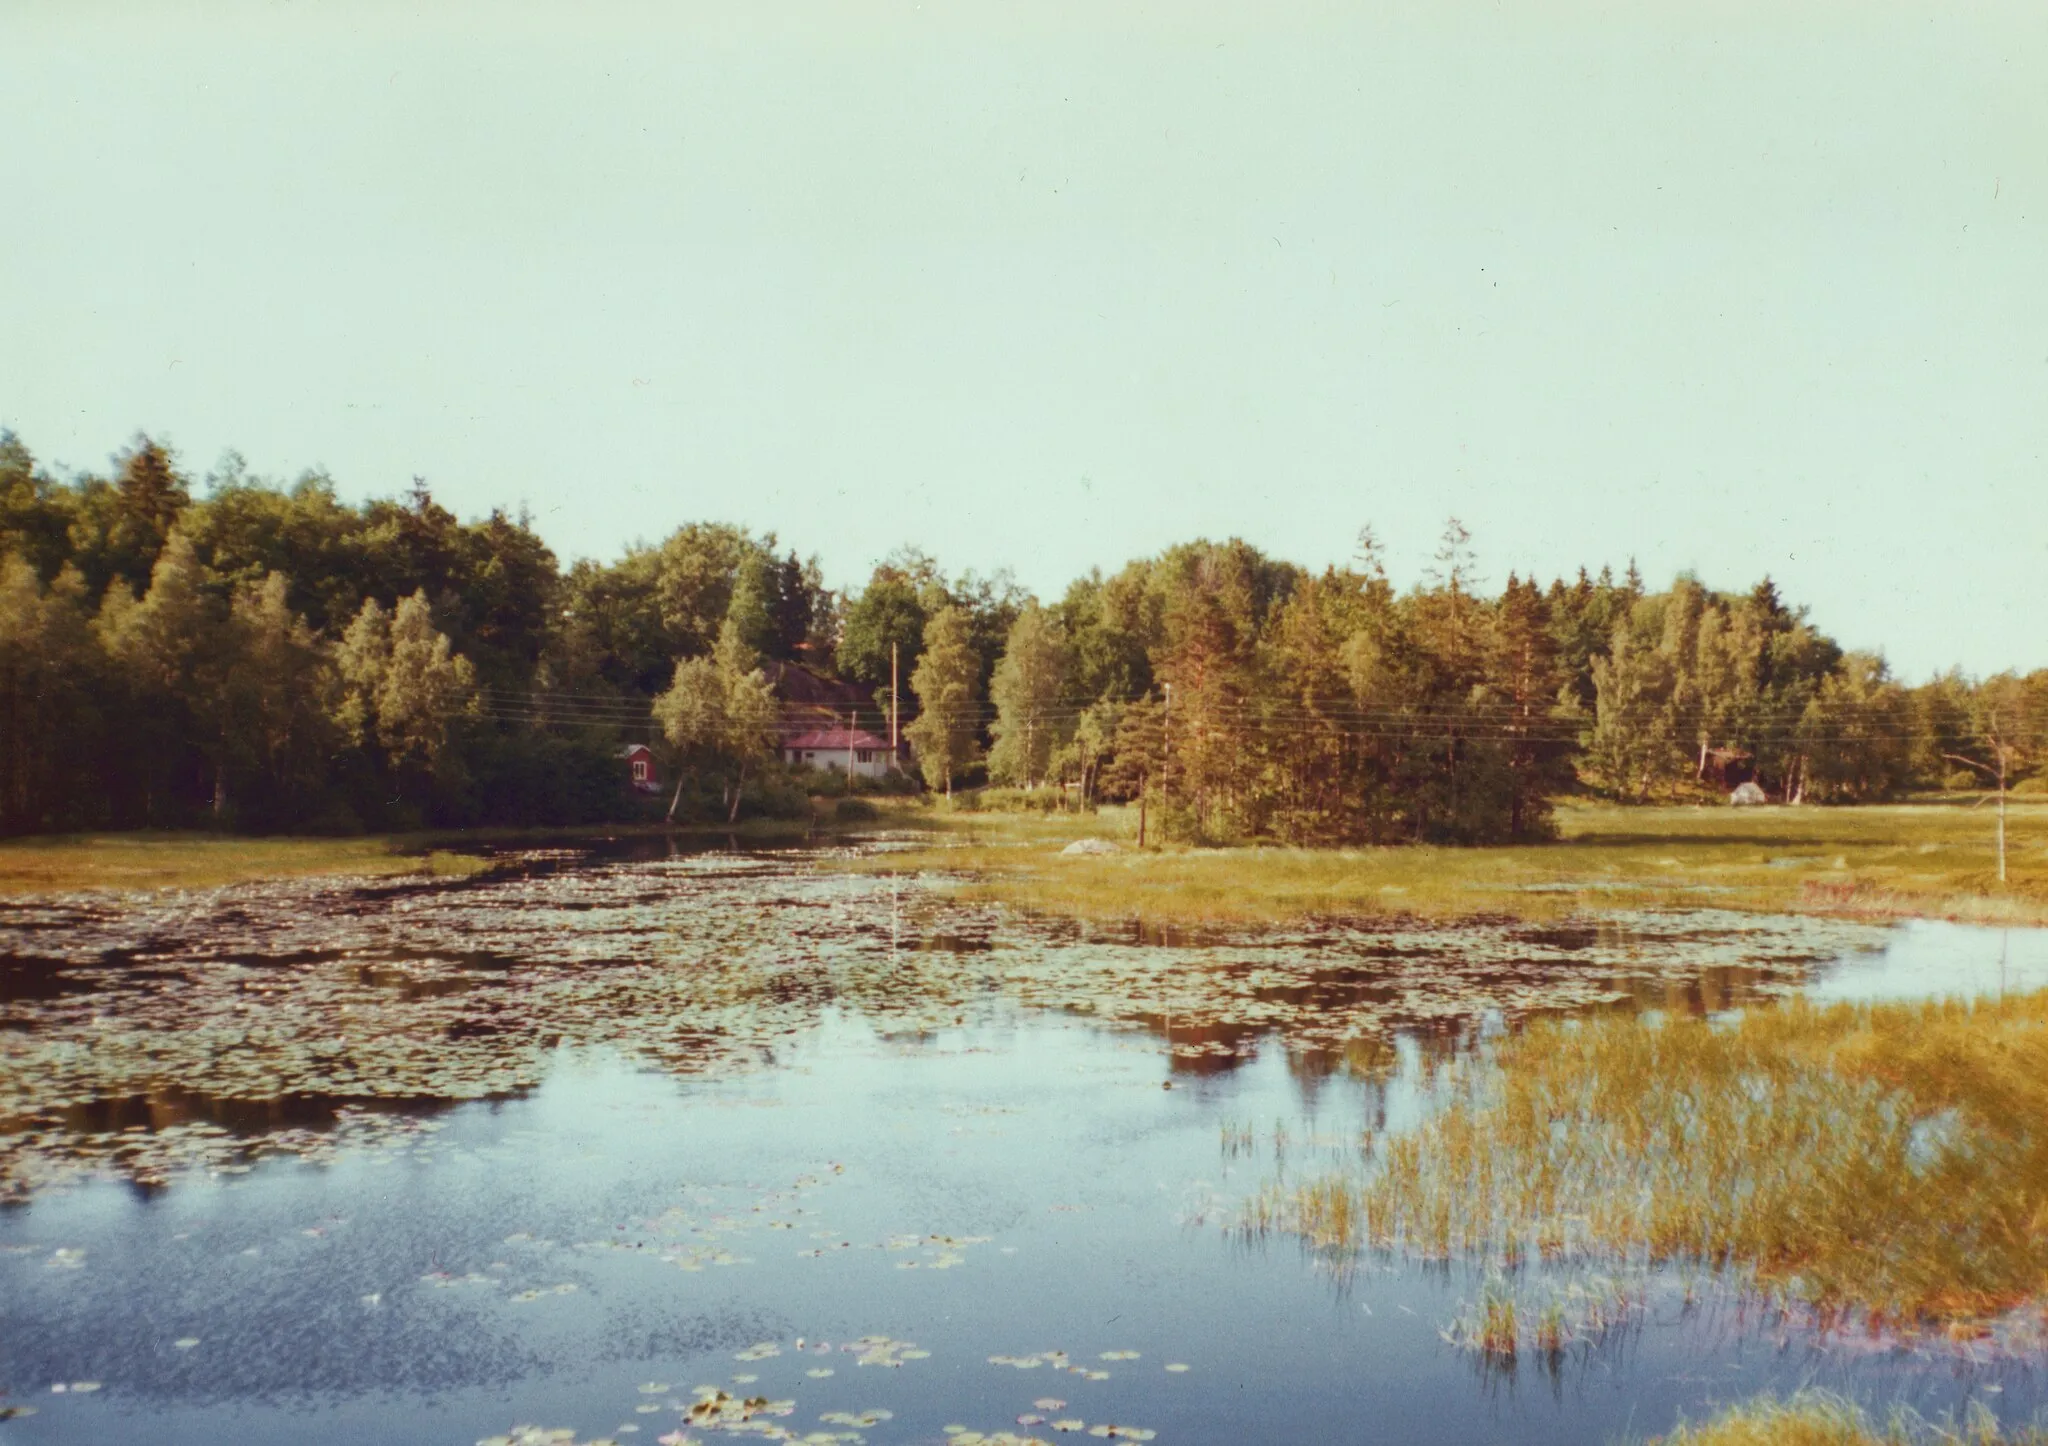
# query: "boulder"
x,y
1748,795
1091,846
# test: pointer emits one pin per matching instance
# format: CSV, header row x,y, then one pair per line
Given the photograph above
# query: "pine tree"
x,y
1526,682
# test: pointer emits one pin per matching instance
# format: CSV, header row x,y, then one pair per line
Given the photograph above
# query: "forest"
x,y
264,657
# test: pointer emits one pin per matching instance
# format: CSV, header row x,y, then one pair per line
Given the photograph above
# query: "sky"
x,y
1736,288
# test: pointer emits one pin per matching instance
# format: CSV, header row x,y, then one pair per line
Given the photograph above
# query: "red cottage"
x,y
639,760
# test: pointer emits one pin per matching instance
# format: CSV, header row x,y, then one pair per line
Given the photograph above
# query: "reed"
x,y
1499,1331
1820,1419
1887,1159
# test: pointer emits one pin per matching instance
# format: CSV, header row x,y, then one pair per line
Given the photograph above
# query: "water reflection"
x,y
1012,1190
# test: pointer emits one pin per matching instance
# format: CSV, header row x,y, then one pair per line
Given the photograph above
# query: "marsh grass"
x,y
1890,1160
1922,859
1821,1419
1499,1332
73,863
200,861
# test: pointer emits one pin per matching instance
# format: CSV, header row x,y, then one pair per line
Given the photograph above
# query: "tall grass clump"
x,y
1891,1159
1820,1419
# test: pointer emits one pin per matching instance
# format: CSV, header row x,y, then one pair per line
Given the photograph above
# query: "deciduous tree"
x,y
944,733
1029,685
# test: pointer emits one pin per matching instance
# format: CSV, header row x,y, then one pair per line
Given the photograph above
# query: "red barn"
x,y
639,760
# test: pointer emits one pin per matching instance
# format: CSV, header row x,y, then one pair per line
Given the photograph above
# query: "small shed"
x,y
639,761
854,749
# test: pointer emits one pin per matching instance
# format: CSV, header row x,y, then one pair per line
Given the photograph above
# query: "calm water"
x,y
562,1146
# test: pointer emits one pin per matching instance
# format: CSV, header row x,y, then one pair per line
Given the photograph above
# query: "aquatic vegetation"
x,y
715,1409
337,1020
1499,1335
177,1033
866,1420
1820,1419
1888,1159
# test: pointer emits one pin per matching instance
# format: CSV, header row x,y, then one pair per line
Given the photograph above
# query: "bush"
x,y
852,810
774,794
838,783
529,779
1019,800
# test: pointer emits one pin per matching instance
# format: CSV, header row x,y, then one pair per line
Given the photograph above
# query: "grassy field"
x,y
72,863
203,861
1932,859
1890,1160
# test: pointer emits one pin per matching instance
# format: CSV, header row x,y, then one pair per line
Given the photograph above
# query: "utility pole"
x,y
892,705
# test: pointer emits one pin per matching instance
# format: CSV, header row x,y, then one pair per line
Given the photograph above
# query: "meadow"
x,y
1935,858
141,861
172,859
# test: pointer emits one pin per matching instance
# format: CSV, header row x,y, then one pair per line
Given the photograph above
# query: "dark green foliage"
x,y
889,611
268,657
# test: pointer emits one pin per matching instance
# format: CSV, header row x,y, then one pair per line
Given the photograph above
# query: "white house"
x,y
853,749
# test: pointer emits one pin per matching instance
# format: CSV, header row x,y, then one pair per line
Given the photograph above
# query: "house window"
x,y
639,770
867,755
809,757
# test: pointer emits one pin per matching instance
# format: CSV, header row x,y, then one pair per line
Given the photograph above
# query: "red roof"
x,y
840,739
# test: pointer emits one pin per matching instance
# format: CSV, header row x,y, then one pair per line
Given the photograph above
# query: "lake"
x,y
651,1142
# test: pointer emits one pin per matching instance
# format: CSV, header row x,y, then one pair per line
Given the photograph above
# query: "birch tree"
x,y
944,682
1029,682
718,716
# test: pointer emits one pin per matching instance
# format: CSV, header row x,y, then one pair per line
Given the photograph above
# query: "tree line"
x,y
266,656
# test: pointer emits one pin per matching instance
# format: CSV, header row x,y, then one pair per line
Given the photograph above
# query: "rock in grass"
x,y
1091,846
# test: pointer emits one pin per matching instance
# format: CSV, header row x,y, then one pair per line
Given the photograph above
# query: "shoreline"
x,y
1917,860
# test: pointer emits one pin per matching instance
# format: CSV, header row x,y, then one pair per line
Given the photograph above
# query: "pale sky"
x,y
1735,287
